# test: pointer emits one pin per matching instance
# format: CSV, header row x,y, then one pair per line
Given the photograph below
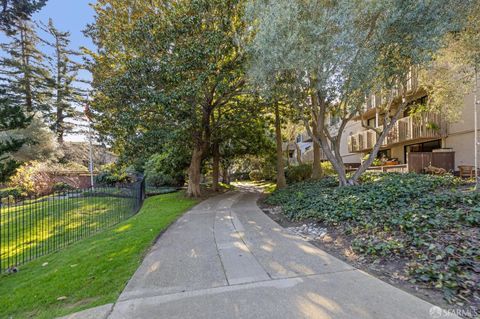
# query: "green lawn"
x,y
92,271
43,226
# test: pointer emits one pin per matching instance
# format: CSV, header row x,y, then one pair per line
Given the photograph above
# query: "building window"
x,y
371,122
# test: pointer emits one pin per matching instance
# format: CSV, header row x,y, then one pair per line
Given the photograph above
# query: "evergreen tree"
x,y
12,10
11,117
64,82
13,20
23,72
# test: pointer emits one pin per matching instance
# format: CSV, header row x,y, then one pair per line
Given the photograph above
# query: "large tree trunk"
x,y
194,173
317,153
226,176
26,72
215,166
298,153
318,116
281,182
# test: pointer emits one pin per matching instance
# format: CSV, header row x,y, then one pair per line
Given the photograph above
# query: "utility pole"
x,y
91,153
90,137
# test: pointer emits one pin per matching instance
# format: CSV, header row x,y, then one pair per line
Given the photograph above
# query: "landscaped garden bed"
x,y
424,229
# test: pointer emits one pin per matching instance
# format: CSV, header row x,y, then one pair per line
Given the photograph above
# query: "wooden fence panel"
x,y
417,161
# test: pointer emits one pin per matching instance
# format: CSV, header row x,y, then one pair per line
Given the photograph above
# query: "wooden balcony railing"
x,y
410,128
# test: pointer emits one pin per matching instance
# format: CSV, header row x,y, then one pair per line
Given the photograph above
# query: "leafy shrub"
x,y
110,178
14,192
428,220
158,172
295,174
327,169
62,187
33,178
255,175
7,169
157,179
111,174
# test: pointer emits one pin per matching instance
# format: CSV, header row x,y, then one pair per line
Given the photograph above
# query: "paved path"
x,y
226,259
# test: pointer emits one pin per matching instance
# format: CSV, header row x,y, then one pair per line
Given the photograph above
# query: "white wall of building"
x,y
348,158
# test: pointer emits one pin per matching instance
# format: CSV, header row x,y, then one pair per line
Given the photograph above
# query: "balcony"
x,y
410,128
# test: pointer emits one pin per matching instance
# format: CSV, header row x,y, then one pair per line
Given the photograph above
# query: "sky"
x,y
69,15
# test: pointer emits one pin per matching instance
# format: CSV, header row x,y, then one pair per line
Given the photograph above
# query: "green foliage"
x,y
255,175
27,77
33,179
111,174
143,110
13,10
15,192
328,55
327,168
295,174
429,220
7,169
242,166
110,178
62,187
12,117
157,179
165,170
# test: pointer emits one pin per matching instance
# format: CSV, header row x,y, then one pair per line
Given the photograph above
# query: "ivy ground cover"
x,y
429,222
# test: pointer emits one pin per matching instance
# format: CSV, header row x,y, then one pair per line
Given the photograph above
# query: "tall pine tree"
x,y
24,74
23,80
64,82
12,10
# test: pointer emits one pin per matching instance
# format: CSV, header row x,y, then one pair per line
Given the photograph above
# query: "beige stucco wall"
x,y
463,146
351,127
465,122
461,135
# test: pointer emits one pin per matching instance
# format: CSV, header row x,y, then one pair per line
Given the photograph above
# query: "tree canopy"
x,y
334,54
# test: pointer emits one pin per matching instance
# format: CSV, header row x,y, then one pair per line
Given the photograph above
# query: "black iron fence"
x,y
35,226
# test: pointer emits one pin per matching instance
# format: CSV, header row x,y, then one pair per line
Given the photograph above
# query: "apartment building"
x,y
415,141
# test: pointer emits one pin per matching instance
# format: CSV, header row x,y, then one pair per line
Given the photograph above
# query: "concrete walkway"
x,y
226,259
